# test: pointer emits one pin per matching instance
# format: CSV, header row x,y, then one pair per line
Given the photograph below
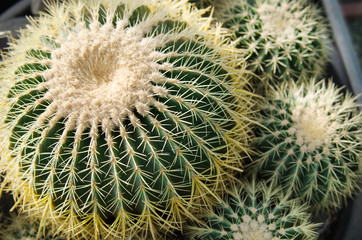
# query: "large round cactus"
x,y
120,118
281,39
311,142
256,211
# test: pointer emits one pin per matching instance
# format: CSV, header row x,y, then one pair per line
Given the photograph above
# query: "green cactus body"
x,y
281,39
121,117
256,212
312,142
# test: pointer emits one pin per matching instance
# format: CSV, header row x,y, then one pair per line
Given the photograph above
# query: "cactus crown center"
x,y
104,72
278,21
251,229
313,126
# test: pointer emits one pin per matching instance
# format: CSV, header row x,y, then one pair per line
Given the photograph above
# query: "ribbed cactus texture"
x,y
311,145
22,227
256,211
121,117
282,39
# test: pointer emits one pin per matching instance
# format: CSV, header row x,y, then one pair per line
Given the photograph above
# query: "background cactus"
x,y
120,118
312,142
258,212
282,39
22,227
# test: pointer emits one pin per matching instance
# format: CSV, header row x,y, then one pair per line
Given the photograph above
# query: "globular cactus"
x,y
120,118
23,227
310,142
282,39
256,211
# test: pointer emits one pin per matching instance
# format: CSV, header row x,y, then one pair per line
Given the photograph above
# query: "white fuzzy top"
x,y
251,229
279,21
104,74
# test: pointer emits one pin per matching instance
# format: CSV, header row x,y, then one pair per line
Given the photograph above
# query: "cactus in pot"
x,y
311,142
256,211
282,39
120,118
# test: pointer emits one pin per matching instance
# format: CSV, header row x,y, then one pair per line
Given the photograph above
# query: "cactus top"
x,y
312,142
317,113
282,39
109,73
279,22
121,117
255,211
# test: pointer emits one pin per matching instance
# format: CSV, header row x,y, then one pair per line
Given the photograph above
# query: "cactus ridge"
x,y
282,39
312,142
259,212
121,116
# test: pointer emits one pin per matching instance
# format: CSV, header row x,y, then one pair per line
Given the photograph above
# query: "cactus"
x,y
311,142
22,227
256,211
121,118
282,39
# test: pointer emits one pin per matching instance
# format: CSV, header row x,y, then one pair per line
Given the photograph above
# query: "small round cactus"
x,y
120,118
256,212
22,227
281,39
311,142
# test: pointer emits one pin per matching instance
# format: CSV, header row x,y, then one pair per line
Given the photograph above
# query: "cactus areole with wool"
x,y
119,115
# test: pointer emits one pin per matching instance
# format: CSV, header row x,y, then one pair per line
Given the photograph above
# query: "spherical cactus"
x,y
256,212
120,118
22,227
311,142
282,39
